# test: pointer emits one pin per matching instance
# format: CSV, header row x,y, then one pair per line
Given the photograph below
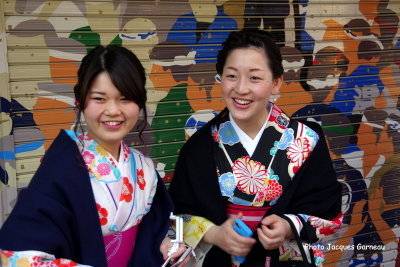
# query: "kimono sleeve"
x,y
40,223
317,195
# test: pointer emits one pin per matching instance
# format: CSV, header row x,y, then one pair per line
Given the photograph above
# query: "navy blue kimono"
x,y
57,214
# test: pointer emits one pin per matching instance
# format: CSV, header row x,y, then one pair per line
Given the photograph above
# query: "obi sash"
x,y
119,247
251,215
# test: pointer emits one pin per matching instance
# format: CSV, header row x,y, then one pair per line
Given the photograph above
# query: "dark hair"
x,y
125,71
167,51
252,38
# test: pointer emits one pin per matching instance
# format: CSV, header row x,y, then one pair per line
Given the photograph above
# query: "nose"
x,y
113,108
241,86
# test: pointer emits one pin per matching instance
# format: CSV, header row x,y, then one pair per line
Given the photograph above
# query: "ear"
x,y
277,85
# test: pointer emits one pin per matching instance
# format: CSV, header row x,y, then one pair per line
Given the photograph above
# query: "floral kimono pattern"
x,y
123,191
259,180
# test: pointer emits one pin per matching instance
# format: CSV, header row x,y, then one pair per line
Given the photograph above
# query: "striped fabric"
x,y
251,215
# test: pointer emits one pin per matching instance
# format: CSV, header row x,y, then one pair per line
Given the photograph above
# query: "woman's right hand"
x,y
226,238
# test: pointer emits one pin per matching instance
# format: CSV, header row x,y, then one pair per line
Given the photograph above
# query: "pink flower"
x,y
250,174
103,169
298,151
87,157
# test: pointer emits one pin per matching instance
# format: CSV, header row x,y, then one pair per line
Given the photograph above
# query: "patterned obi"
x,y
251,215
119,247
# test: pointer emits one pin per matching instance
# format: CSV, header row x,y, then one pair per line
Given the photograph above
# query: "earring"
x,y
218,78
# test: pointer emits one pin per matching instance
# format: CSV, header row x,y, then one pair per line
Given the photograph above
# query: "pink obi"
x,y
119,247
251,215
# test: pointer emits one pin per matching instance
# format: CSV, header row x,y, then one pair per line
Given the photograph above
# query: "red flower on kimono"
x,y
214,134
298,151
127,190
333,225
274,190
103,213
64,263
41,261
7,253
269,192
140,179
250,174
317,253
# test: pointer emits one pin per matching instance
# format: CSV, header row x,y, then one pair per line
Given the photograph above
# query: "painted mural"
x,y
342,70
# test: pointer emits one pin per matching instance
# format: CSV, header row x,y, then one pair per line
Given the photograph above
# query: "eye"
x,y
124,99
97,98
230,76
255,78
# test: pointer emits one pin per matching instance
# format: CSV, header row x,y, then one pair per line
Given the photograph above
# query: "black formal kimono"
x,y
290,173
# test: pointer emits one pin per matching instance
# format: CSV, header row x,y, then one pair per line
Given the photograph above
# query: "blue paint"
x,y
28,147
185,28
7,155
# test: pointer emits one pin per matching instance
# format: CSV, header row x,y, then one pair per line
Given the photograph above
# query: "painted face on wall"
x,y
108,114
247,84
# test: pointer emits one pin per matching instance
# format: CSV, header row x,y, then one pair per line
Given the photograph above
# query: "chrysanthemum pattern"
x,y
250,175
298,151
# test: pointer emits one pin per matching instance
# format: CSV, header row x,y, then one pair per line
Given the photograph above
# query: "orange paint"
x,y
369,8
51,116
198,97
63,70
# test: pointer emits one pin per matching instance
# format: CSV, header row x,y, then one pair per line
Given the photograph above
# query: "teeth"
x,y
112,123
242,102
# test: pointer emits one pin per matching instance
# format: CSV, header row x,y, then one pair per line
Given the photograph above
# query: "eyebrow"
x,y
253,69
98,92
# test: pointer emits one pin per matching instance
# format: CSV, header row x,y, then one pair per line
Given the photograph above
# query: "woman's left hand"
x,y
274,230
166,246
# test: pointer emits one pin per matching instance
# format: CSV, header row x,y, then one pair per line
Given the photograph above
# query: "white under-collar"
x,y
248,143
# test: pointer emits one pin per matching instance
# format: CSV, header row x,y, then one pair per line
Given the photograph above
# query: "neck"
x,y
252,127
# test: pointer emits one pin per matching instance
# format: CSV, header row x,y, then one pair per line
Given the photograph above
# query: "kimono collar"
x,y
248,143
123,190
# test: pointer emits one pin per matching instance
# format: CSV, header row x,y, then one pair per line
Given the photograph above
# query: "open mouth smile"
x,y
242,101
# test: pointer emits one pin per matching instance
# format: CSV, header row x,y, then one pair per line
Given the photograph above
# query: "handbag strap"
x,y
300,244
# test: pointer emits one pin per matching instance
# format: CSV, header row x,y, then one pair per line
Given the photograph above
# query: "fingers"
x,y
273,231
165,246
267,242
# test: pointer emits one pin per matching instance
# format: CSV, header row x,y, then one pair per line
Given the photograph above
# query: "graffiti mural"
x,y
341,69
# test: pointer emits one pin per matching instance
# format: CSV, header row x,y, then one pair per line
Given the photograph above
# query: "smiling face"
x,y
108,114
247,84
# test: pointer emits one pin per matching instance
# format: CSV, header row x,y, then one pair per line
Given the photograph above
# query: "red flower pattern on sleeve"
x,y
127,190
140,179
64,263
103,213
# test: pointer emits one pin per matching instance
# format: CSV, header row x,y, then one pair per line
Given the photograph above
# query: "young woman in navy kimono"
x,y
94,201
254,162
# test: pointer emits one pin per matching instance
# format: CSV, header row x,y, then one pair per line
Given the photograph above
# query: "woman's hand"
x,y
166,246
228,240
274,230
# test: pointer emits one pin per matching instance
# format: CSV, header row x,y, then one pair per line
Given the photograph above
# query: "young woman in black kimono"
x,y
254,162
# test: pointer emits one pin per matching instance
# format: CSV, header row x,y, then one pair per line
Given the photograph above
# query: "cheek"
x,y
132,111
225,88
